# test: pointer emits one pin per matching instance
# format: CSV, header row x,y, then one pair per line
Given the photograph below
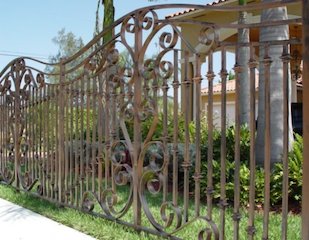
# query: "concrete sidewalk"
x,y
17,223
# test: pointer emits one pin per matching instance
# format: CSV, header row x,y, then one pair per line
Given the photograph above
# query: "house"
x,y
231,97
230,101
191,32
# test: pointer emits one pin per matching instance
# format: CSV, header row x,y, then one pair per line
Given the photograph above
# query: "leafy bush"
x,y
295,162
295,170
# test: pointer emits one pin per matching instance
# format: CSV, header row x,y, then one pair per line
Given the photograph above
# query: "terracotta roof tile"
x,y
181,12
188,10
230,87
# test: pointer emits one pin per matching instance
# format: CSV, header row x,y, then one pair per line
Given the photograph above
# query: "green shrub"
x,y
295,161
295,170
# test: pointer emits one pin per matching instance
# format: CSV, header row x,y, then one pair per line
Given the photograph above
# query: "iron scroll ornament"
x,y
16,86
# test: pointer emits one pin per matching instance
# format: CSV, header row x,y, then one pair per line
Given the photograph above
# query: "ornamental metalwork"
x,y
115,130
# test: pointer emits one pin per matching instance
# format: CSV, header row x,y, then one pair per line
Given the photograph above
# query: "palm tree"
x,y
276,89
109,18
243,57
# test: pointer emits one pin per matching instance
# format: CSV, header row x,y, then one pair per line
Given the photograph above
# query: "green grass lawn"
x,y
104,229
97,227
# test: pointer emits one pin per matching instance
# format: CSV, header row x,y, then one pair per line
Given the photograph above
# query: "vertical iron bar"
x,y
44,149
252,66
7,112
12,113
48,141
197,95
2,132
55,143
61,126
137,168
23,133
236,213
81,133
25,122
285,184
114,123
8,137
5,129
107,130
100,134
223,202
75,143
176,129
2,143
94,132
88,144
186,163
6,134
27,129
72,160
17,121
165,139
66,145
209,192
33,132
37,133
41,163
267,140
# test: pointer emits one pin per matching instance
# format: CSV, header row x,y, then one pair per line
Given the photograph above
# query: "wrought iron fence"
x,y
116,133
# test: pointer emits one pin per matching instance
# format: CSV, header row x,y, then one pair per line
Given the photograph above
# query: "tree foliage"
x,y
68,44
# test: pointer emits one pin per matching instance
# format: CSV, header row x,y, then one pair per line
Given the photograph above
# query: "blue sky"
x,y
28,26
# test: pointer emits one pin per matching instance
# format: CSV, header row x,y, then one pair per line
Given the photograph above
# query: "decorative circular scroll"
x,y
40,189
152,180
209,36
122,170
88,202
40,79
113,56
19,65
209,232
149,22
8,175
168,40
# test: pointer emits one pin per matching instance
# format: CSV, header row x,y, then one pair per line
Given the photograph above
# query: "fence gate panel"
x,y
148,130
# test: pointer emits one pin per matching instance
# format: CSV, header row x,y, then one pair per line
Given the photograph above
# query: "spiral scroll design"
x,y
152,181
15,86
209,36
168,40
165,68
209,232
88,201
24,173
111,201
7,175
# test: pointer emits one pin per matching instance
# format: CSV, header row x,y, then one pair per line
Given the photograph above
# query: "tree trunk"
x,y
243,58
276,89
109,18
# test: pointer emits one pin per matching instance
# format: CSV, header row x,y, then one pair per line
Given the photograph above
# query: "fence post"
x,y
137,167
61,103
305,196
17,129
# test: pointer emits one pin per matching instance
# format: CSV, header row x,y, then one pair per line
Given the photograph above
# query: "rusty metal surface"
x,y
105,136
